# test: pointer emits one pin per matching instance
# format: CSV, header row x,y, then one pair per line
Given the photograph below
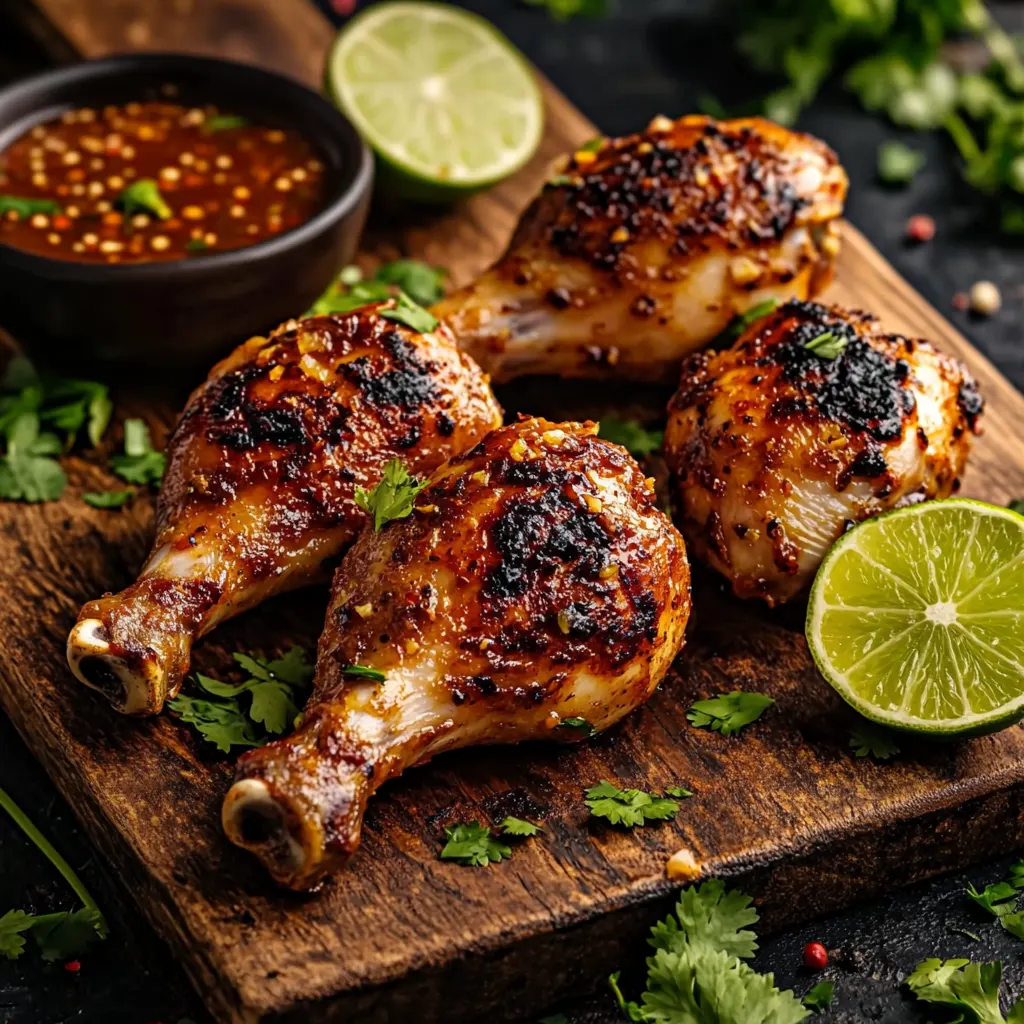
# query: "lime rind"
x,y
916,618
441,96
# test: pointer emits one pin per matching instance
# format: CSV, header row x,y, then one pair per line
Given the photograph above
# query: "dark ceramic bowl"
x,y
184,312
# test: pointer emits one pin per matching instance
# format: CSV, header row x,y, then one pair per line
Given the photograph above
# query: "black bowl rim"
x,y
350,192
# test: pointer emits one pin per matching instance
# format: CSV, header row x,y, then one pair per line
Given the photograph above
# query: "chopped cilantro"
x,y
819,998
867,738
143,196
275,688
628,808
581,725
223,123
678,792
139,464
25,207
364,672
518,827
1013,923
392,498
898,163
997,899
108,499
421,282
740,323
634,437
59,935
729,712
473,845
827,345
407,312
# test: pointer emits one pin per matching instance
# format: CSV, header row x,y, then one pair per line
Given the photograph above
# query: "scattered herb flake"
x,y
518,827
364,672
392,498
633,436
820,997
678,792
108,499
473,845
740,323
143,196
729,712
423,283
139,464
628,808
25,207
407,312
581,725
898,163
866,738
223,123
827,345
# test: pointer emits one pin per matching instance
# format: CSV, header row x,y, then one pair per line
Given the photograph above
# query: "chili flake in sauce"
x,y
153,181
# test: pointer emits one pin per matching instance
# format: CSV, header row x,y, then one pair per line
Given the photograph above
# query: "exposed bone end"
x,y
290,846
134,686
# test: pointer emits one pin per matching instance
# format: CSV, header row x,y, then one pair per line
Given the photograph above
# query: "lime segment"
x,y
916,618
447,103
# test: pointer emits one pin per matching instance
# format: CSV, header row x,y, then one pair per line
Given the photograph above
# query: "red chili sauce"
x,y
153,181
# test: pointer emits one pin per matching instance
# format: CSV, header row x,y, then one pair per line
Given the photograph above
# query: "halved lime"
x,y
445,100
917,618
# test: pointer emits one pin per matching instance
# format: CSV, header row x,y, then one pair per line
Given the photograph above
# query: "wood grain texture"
x,y
400,935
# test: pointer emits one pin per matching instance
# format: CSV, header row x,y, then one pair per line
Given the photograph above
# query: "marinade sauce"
x,y
154,181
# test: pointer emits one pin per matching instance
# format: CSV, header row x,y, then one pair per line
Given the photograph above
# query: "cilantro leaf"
x,y
1017,875
898,163
678,792
361,293
961,984
364,672
703,984
108,499
867,738
579,724
827,345
25,207
628,808
407,312
423,283
518,827
72,404
1013,923
473,845
13,925
67,934
393,497
139,464
222,723
742,321
634,437
729,712
143,196
631,1010
709,916
993,898
819,998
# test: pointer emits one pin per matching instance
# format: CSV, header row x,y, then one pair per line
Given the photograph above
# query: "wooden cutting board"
x,y
401,936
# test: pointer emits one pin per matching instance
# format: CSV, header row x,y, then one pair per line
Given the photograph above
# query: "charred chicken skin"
x,y
536,581
262,471
778,444
642,250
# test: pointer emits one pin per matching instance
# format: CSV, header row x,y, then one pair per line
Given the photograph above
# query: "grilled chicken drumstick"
x,y
259,490
536,581
814,420
644,249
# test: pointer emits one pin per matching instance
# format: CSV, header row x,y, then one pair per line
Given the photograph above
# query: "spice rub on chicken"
x,y
535,581
260,487
813,420
643,248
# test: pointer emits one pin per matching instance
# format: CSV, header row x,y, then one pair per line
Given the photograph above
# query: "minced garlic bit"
x,y
480,477
553,437
484,644
426,509
649,483
620,235
609,571
519,450
682,864
583,157
743,270
661,123
563,622
364,611
593,503
411,646
276,372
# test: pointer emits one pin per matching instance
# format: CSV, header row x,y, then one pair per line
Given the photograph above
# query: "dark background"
x,y
644,57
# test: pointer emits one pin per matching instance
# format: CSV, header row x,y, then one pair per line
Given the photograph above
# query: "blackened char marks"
x,y
238,422
534,538
408,386
970,401
866,389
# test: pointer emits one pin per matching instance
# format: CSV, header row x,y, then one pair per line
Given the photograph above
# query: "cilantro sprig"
x,y
58,935
728,712
632,435
964,986
139,464
628,808
275,688
40,419
420,282
392,498
474,845
697,971
579,725
827,345
26,207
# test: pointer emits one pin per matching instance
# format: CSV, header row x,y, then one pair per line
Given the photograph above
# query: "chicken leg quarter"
x,y
260,487
537,580
645,247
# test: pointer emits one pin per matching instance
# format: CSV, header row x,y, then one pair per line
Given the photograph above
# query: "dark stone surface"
x,y
645,57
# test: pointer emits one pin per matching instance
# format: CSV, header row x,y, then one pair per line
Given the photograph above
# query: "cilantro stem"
x,y
963,138
47,849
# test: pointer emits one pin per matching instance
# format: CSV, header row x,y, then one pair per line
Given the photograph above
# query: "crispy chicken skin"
x,y
642,251
537,580
776,451
259,489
